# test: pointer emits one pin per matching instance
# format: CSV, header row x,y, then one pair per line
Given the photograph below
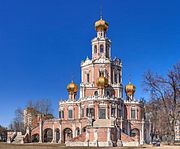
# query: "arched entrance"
x,y
77,131
48,135
84,129
35,138
67,133
135,133
57,134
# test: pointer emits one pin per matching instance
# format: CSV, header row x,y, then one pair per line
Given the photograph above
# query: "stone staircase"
x,y
19,139
126,138
80,138
77,141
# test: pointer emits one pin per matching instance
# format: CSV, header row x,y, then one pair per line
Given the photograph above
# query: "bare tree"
x,y
3,133
17,123
165,97
43,106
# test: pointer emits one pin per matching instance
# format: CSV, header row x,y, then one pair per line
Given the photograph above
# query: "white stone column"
x,y
121,123
74,130
109,77
96,137
79,111
110,114
82,75
80,92
55,136
53,140
108,134
106,111
40,130
109,137
92,73
80,131
83,91
87,138
142,133
98,110
118,92
60,133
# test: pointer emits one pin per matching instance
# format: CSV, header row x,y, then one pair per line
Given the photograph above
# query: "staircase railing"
x,y
13,136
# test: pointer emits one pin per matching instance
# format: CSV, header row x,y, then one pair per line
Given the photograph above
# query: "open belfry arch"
x,y
101,116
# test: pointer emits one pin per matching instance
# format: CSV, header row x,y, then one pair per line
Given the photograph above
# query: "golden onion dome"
x,y
102,82
130,89
101,25
72,87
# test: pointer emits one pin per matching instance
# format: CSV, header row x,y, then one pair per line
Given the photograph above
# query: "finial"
x,y
101,9
72,78
87,58
129,79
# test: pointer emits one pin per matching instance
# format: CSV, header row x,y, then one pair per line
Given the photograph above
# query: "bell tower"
x,y
101,45
101,76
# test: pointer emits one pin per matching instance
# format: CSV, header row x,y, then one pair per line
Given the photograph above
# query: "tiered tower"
x,y
101,76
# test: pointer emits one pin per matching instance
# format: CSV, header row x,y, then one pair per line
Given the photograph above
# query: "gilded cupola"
x,y
101,25
130,89
102,82
72,87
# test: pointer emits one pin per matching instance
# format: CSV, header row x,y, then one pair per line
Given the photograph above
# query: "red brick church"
x,y
101,116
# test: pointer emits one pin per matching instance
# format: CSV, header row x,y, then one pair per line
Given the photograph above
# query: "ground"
x,y
57,146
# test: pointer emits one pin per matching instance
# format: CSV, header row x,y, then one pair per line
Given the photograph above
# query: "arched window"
x,y
119,77
88,78
113,111
133,113
107,51
95,49
70,113
96,93
90,112
107,93
61,114
84,129
102,113
82,112
115,78
101,48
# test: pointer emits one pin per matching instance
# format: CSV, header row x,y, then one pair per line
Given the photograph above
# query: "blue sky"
x,y
42,43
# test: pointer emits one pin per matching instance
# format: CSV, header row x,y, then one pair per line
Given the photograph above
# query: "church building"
x,y
101,116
